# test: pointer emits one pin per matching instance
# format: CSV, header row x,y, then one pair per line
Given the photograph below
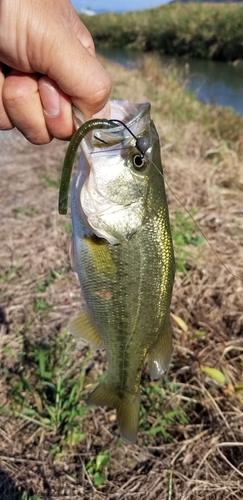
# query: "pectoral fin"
x,y
159,354
81,326
127,408
101,256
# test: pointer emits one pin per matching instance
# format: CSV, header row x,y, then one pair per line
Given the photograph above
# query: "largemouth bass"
x,y
122,251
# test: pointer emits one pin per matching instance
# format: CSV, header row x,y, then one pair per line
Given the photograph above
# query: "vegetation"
x,y
184,235
190,441
199,30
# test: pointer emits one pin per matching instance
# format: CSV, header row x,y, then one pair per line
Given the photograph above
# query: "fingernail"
x,y
50,99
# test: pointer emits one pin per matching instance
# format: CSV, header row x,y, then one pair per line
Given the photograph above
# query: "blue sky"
x,y
116,5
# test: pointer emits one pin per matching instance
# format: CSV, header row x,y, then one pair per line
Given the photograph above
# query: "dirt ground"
x,y
200,456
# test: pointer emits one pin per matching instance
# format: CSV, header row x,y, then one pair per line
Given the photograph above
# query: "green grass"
x,y
50,182
41,286
158,418
68,228
184,234
41,304
45,389
205,31
28,211
8,274
96,465
26,496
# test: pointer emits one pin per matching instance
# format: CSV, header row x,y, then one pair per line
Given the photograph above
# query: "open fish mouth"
x,y
129,119
124,111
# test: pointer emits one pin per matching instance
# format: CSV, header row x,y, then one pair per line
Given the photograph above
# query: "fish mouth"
x,y
136,116
128,112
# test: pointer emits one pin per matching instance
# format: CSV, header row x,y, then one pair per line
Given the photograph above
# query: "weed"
x,y
184,234
7,350
41,304
46,390
162,421
28,211
42,286
26,496
50,182
9,274
68,228
216,375
95,467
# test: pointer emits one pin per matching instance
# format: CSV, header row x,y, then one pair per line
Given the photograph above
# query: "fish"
x,y
122,251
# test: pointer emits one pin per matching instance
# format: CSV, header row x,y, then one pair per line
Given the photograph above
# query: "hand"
x,y
48,63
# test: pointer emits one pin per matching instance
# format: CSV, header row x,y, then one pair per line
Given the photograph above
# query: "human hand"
x,y
48,64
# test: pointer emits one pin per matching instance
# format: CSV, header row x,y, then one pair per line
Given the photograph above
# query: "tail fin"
x,y
127,408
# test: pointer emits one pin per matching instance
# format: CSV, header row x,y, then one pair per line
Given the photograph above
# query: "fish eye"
x,y
139,162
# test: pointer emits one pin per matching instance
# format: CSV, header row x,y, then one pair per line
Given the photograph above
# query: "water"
x,y
214,82
127,58
211,81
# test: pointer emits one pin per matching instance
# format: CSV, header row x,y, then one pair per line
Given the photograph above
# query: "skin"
x,y
47,63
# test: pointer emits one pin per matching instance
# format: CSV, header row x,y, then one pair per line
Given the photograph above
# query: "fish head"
x,y
114,174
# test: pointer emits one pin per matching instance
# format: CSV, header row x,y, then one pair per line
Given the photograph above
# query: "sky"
x,y
116,5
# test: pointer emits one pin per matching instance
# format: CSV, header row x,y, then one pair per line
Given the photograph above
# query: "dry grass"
x,y
190,444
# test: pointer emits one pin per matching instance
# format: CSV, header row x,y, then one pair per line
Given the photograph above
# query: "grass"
x,y
50,182
41,304
184,235
157,421
26,496
95,467
41,286
28,211
190,443
47,390
200,30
